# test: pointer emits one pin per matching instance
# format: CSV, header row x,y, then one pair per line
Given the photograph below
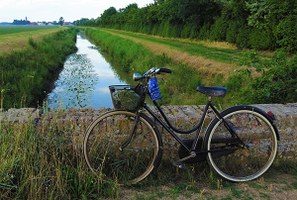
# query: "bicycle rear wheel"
x,y
248,154
116,147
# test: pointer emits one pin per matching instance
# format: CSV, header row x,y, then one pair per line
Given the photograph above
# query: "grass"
x,y
42,165
128,57
18,29
217,51
251,77
205,66
14,38
27,74
45,161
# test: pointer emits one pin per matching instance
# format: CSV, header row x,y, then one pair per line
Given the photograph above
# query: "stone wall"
x,y
74,122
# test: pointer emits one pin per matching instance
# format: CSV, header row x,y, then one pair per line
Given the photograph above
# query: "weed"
x,y
264,195
214,182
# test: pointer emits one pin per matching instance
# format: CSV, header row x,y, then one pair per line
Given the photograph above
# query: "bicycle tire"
x,y
112,152
226,154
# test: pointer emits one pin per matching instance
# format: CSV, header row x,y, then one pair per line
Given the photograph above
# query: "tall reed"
x,y
44,163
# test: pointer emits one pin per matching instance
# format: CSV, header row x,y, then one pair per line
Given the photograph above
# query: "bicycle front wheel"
x,y
249,152
120,146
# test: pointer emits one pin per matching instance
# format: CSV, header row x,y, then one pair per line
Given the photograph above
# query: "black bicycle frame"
x,y
172,130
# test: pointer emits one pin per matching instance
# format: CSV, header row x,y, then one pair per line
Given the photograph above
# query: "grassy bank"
x,y
129,57
217,51
250,76
27,74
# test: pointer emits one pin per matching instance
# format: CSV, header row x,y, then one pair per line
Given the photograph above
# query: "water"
x,y
84,80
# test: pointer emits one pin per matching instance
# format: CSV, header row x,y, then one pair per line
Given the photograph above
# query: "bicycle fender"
x,y
258,110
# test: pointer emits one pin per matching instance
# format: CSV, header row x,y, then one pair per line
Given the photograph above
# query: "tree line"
x,y
257,24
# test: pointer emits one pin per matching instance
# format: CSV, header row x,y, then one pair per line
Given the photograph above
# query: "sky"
x,y
52,10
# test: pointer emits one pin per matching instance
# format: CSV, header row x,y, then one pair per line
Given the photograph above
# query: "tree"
x,y
61,21
276,17
107,15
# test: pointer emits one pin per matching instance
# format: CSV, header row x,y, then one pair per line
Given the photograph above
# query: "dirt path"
x,y
274,186
206,66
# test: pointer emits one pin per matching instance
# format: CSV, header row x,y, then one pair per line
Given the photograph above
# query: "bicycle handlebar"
x,y
164,70
150,73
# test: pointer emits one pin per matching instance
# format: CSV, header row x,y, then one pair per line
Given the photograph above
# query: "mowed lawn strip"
x,y
205,65
18,39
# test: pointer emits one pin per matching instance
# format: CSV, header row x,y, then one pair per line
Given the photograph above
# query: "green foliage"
x,y
278,19
278,82
26,75
275,81
218,29
264,24
261,39
286,33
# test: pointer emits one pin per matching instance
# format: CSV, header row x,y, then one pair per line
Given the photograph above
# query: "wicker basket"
x,y
125,97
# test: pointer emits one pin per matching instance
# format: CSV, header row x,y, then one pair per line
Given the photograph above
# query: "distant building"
x,y
21,22
67,24
41,23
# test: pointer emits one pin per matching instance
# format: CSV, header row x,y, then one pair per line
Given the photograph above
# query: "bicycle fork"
x,y
129,139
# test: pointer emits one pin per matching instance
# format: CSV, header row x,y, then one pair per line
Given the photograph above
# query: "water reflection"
x,y
84,80
75,85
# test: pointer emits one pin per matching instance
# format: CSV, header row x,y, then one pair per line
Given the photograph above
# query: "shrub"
x,y
286,33
261,39
278,82
218,29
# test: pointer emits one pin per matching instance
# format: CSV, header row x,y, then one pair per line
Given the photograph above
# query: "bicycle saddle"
x,y
216,91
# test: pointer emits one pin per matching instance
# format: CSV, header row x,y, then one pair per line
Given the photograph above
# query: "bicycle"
x,y
125,145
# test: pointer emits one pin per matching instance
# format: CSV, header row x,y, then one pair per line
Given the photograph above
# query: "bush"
x,y
218,30
286,33
278,83
261,39
242,37
189,31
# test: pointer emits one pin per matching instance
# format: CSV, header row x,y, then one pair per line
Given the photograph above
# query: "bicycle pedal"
x,y
179,165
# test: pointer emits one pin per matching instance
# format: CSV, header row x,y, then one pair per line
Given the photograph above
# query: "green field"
x,y
14,38
17,29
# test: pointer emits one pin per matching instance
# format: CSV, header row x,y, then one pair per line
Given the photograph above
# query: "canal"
x,y
84,80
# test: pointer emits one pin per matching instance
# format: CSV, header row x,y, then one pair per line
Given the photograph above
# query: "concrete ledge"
x,y
74,123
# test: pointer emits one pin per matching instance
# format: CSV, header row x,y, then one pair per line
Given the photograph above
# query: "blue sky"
x,y
52,10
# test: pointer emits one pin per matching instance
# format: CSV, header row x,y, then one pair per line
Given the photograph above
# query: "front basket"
x,y
124,97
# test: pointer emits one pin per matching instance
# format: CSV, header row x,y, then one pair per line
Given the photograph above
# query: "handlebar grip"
x,y
165,70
